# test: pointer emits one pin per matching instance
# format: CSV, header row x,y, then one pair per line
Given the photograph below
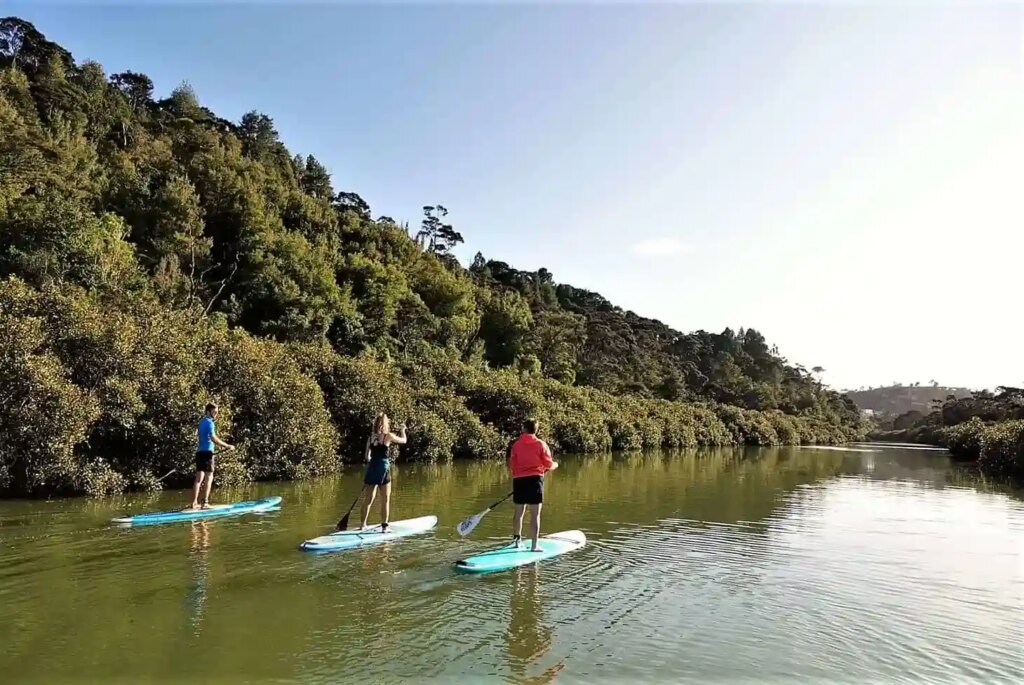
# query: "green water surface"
x,y
875,564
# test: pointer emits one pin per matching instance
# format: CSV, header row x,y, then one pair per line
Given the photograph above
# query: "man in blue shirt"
x,y
204,457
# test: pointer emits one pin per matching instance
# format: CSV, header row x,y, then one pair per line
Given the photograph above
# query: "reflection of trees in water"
x,y
763,491
454,484
925,468
724,485
968,476
703,514
528,638
200,545
716,484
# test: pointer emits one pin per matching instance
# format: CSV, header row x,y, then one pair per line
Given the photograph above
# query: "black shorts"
x,y
528,490
204,461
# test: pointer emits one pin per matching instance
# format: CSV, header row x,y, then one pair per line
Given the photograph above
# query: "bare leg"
x,y
196,488
517,521
535,524
385,503
369,492
209,486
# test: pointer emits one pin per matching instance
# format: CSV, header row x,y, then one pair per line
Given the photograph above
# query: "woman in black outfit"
x,y
378,473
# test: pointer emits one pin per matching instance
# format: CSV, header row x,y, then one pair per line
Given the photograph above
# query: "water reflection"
x,y
199,553
529,635
372,571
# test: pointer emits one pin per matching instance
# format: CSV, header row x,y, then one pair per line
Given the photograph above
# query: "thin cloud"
x,y
659,247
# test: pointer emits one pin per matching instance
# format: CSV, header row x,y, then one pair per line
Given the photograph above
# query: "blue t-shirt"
x,y
206,433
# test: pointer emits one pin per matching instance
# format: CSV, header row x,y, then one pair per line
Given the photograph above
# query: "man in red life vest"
x,y
529,458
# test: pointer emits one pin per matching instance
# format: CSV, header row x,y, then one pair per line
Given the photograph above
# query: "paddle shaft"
x,y
499,501
343,523
466,527
176,470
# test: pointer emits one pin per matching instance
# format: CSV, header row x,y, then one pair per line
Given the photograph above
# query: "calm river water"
x,y
788,565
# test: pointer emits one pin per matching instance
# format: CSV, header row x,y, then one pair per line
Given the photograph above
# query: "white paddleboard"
x,y
369,536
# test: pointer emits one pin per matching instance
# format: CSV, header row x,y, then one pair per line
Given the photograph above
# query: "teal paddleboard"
x,y
214,511
370,536
511,556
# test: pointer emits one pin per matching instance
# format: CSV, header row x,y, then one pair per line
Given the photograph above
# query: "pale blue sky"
x,y
845,178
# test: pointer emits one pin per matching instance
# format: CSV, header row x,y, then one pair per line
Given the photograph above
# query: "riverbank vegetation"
x,y
155,256
985,428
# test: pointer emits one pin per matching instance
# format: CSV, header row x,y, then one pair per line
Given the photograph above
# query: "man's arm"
x,y
221,443
549,463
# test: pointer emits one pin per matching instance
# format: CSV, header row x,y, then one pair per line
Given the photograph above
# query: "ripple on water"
x,y
798,594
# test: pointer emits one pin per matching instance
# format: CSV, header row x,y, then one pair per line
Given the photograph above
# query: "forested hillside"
x,y
154,256
894,400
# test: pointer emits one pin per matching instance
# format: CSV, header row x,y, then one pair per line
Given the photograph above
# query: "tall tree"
x,y
257,134
314,179
435,235
22,46
351,202
136,88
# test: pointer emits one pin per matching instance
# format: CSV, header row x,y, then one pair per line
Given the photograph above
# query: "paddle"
x,y
466,527
166,474
343,523
176,470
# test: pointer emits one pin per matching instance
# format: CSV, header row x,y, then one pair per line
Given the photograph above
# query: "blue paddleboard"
x,y
370,536
511,556
214,511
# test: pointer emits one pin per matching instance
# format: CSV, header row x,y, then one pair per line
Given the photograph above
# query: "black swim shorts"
x,y
528,490
204,461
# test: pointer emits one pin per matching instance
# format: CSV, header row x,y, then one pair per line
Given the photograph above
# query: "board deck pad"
x,y
369,536
510,556
216,510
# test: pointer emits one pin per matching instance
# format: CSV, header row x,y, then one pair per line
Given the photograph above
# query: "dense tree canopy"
x,y
195,257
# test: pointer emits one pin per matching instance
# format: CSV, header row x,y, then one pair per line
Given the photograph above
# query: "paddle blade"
x,y
343,523
466,527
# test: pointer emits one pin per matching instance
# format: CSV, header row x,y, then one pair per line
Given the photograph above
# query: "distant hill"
x,y
900,399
